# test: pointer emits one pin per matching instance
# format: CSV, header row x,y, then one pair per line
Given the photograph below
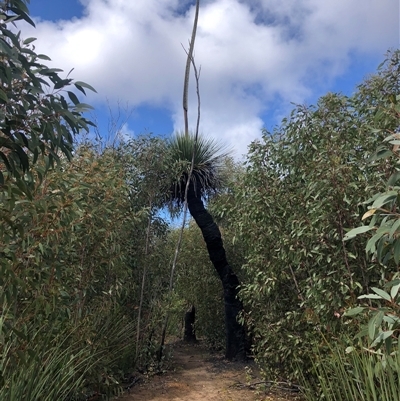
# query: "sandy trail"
x,y
196,375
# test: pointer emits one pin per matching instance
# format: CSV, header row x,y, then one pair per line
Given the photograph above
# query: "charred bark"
x,y
235,334
190,333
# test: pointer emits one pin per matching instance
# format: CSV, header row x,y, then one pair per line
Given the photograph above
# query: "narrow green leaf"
x,y
394,228
355,231
6,161
5,47
369,296
379,318
20,4
380,154
50,71
386,334
22,15
371,328
21,136
370,247
85,85
390,319
394,178
43,57
394,291
382,337
29,40
382,293
83,107
354,311
24,160
396,251
389,345
73,97
3,96
384,198
80,88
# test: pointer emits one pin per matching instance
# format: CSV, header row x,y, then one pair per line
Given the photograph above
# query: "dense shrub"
x,y
72,237
302,191
68,275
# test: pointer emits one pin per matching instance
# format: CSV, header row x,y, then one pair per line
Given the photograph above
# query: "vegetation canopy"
x,y
310,226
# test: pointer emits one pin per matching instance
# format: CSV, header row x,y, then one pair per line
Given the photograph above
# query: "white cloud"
x,y
250,52
126,133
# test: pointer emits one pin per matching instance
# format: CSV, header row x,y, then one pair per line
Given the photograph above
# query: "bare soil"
x,y
195,374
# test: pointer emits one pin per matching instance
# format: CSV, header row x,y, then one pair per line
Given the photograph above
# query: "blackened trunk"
x,y
235,335
190,333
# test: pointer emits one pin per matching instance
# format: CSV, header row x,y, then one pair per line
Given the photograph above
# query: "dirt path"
x,y
196,375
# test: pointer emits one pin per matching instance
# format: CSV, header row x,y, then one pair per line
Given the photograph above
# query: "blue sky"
x,y
56,9
256,56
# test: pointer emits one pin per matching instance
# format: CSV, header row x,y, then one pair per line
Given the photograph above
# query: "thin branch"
x,y
187,70
272,385
146,252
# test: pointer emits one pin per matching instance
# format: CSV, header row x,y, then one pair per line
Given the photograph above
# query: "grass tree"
x,y
195,162
200,173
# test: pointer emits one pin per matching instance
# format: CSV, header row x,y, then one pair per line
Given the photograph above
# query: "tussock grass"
x,y
68,365
360,375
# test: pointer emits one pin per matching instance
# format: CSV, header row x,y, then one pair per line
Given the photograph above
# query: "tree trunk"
x,y
190,333
235,334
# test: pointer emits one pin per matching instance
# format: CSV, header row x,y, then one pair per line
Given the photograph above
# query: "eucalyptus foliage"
x,y
380,307
72,228
79,230
369,369
39,112
302,192
67,270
